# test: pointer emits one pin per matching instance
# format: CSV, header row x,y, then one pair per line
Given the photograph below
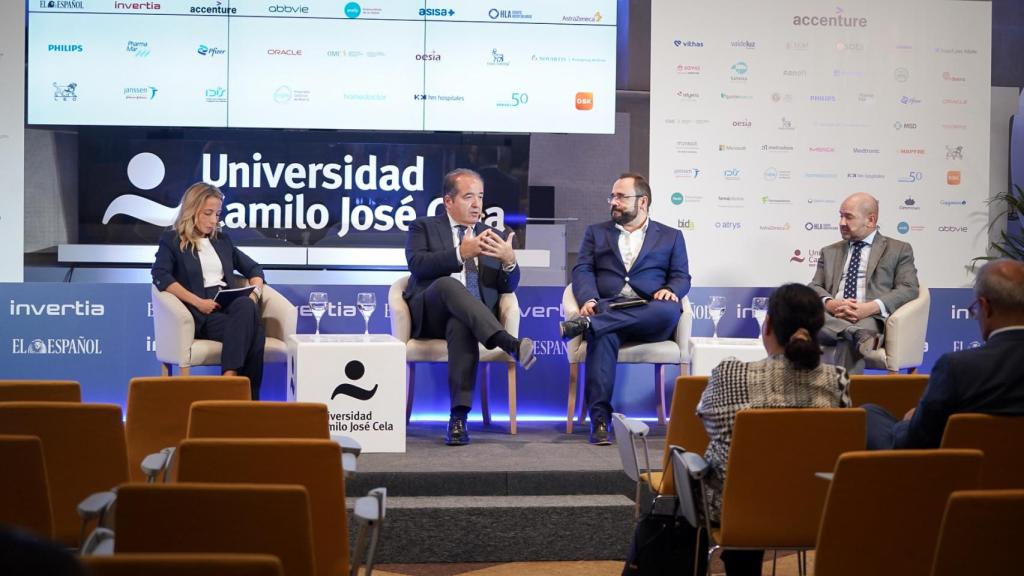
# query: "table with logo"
x,y
360,377
706,353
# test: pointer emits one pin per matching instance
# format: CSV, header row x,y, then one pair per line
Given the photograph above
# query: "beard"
x,y
624,216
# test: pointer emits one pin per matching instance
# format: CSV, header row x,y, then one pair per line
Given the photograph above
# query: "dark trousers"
x,y
449,311
652,322
885,431
240,331
840,333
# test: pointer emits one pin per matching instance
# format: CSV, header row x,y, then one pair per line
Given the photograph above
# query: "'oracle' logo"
x,y
285,52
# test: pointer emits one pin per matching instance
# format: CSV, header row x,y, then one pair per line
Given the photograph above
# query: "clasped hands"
x,y
851,310
489,243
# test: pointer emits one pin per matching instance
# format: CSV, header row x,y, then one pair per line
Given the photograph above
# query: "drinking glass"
x,y
760,307
717,310
318,305
366,302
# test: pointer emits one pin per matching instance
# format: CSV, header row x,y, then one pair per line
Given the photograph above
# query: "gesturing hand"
x,y
666,294
471,246
493,245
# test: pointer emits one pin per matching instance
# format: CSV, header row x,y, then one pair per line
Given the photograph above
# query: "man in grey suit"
x,y
862,280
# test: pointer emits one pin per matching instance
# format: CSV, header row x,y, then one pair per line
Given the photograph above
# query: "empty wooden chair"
x,y
233,419
895,392
981,533
1000,438
183,565
40,391
24,487
884,510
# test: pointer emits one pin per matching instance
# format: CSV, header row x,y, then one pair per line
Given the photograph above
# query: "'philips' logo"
x,y
64,48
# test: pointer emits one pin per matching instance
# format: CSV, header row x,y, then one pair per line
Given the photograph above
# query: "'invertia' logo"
x,y
77,308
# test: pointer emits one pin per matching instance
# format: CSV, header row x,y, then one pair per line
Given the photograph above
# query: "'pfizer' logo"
x,y
146,171
903,227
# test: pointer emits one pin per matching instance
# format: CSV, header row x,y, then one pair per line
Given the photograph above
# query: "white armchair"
x,y
903,336
436,350
175,330
675,351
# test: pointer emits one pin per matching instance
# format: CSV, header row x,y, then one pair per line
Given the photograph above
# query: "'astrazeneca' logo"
x,y
497,58
80,346
140,93
65,92
688,43
211,51
592,18
76,308
139,49
496,14
218,94
65,48
285,9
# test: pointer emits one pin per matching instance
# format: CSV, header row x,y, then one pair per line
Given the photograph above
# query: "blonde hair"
x,y
185,225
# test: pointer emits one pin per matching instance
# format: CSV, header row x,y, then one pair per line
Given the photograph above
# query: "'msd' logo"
x,y
145,171
354,370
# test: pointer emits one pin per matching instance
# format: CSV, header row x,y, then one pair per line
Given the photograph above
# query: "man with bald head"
x,y
989,379
862,280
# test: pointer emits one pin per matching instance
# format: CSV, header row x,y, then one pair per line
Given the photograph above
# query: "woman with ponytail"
x,y
792,376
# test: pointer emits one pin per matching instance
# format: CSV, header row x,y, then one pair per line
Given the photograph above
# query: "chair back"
x,y
217,518
682,463
401,318
905,333
183,565
685,428
980,533
771,497
158,411
897,393
239,419
314,464
174,328
40,391
24,488
885,507
630,435
280,316
84,451
1000,438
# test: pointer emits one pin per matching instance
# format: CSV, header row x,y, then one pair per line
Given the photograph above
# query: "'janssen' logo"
x,y
65,48
140,93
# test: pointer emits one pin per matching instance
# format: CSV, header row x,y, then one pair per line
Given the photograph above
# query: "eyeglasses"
x,y
613,198
973,308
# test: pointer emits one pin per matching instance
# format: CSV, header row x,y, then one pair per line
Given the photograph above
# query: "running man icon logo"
x,y
354,370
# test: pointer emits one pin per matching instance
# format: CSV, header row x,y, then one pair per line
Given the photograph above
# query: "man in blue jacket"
x,y
627,258
989,379
459,269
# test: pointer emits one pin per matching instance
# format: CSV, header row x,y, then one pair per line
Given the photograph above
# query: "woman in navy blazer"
x,y
193,262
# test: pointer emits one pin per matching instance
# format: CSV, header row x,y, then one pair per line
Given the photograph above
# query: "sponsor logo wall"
x,y
817,102
102,336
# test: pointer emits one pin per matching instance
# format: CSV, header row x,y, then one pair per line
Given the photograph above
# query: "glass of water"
x,y
760,307
318,305
366,302
717,310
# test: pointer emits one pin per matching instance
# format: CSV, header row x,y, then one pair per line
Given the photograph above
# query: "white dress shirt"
x,y
213,270
862,273
630,244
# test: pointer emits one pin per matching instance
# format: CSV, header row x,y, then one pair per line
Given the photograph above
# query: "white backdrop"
x,y
12,141
765,115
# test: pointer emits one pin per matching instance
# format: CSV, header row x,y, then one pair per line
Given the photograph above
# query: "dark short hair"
x,y
790,308
449,185
640,185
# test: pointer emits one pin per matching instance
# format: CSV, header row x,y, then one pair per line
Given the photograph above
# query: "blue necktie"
x,y
470,269
853,270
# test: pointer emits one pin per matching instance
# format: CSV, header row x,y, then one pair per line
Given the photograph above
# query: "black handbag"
x,y
665,544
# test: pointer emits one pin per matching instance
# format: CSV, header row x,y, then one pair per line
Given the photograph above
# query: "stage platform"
x,y
536,496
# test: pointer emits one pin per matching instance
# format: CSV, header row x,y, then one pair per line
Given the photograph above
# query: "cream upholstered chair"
x,y
175,330
675,351
903,336
436,349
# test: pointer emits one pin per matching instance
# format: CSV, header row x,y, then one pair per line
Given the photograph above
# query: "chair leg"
x,y
912,370
711,557
410,387
574,371
659,389
165,369
485,394
581,384
186,370
512,398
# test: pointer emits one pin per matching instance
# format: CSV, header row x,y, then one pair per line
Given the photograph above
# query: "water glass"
x,y
366,303
760,307
716,310
318,305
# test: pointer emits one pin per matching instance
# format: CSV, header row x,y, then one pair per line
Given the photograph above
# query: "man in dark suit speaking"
x,y
989,379
459,269
627,258
862,279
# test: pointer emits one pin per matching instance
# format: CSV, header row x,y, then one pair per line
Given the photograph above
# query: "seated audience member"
x,y
862,279
989,379
193,262
792,376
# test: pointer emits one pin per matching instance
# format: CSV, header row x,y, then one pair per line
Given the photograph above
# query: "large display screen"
x,y
533,66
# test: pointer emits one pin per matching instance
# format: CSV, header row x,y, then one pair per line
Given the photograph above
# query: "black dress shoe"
x,y
525,354
573,328
458,434
599,432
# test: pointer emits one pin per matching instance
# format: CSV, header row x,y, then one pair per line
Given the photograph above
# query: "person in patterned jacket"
x,y
792,376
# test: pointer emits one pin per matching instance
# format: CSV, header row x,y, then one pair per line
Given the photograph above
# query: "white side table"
x,y
361,378
706,353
